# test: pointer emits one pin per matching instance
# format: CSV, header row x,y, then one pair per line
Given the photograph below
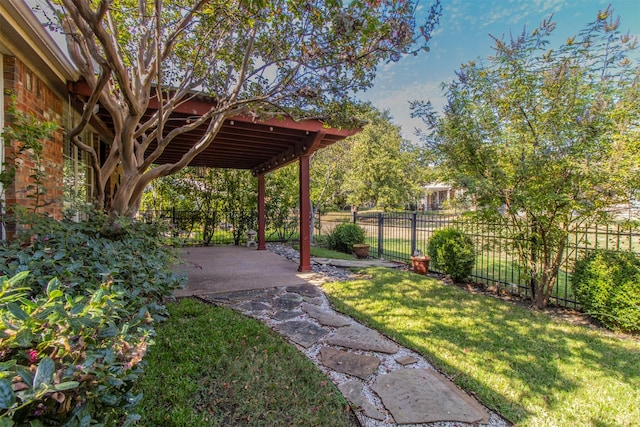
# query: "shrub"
x,y
67,357
77,325
344,236
452,252
607,285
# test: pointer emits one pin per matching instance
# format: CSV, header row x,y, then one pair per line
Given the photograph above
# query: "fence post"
x,y
414,234
380,235
355,217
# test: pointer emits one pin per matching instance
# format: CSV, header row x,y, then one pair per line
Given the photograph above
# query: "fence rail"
x,y
396,236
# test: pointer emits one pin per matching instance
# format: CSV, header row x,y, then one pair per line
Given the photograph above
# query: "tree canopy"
x,y
544,140
384,170
300,58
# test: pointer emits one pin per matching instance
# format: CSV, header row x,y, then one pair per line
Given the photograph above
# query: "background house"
x,y
435,196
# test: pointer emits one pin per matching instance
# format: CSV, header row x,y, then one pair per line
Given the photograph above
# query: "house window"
x,y
78,175
28,81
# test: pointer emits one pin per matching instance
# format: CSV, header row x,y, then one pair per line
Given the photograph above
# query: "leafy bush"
x,y
452,252
77,310
344,236
607,285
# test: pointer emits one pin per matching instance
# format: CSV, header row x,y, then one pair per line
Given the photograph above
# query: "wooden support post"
x,y
305,212
262,244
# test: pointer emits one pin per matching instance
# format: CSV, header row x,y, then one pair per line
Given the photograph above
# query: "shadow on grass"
x,y
522,363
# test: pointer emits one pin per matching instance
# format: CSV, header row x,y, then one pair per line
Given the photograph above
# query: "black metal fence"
x,y
201,227
396,236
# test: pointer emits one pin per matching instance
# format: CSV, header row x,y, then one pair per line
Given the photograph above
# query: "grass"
x,y
213,367
533,369
319,252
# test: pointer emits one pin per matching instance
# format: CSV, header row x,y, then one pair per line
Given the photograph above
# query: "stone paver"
x,y
407,360
411,394
360,337
325,316
314,300
286,314
288,301
353,391
252,306
302,332
358,365
306,290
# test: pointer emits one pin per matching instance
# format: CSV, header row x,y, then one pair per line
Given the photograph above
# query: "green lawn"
x,y
213,367
320,252
534,370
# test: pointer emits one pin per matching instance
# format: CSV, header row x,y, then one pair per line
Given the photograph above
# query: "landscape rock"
x,y
358,365
406,360
415,396
353,392
359,337
302,332
326,317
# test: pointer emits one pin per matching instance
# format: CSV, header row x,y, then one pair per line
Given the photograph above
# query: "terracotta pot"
x,y
420,264
361,250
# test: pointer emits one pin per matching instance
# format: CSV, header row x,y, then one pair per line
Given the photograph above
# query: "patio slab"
x,y
218,269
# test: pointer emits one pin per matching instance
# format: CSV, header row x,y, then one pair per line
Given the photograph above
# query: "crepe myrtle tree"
x,y
305,58
544,141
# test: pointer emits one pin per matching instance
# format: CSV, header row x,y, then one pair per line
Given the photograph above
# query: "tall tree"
x,y
383,169
302,58
544,140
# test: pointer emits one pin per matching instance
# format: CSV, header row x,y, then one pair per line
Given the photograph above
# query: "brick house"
x,y
35,75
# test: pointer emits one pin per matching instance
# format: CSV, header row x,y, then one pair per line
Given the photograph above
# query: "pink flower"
x,y
32,356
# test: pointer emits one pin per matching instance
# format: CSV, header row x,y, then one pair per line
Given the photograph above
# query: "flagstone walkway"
x,y
386,384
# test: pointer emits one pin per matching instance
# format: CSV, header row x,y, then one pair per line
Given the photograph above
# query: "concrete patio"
x,y
215,269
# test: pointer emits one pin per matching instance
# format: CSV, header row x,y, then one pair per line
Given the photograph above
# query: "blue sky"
x,y
463,35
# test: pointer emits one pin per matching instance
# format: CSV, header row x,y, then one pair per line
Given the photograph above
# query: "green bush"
x,y
452,252
607,285
77,310
344,236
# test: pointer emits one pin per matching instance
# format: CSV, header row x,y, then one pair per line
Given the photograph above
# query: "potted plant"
x,y
361,250
349,238
420,262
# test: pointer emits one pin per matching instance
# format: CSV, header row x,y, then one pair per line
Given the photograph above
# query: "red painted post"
x,y
305,212
262,244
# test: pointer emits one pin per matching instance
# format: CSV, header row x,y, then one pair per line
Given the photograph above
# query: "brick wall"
x,y
34,97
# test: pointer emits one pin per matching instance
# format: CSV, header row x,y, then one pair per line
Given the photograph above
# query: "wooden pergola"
x,y
244,142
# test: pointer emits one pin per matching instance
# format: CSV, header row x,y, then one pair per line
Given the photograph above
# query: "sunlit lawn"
x,y
213,367
535,370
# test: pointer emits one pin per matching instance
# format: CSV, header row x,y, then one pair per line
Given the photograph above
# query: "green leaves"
x,y
44,373
71,331
7,396
543,140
